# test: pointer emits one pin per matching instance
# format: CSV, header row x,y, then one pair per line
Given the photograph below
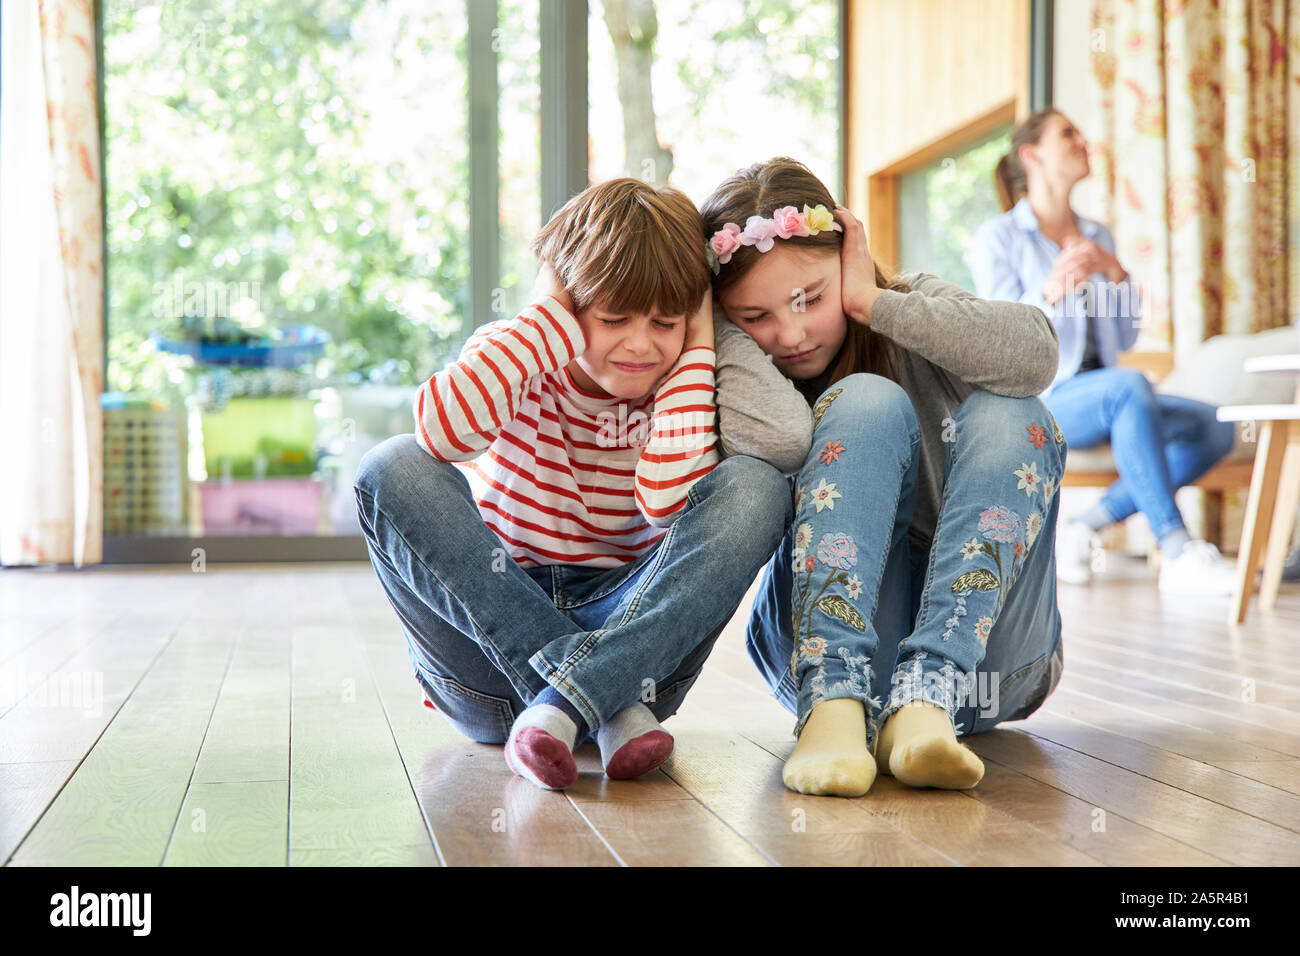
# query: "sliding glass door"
x,y
309,206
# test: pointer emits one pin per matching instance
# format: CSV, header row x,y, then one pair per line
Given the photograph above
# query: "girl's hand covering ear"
x,y
699,324
858,289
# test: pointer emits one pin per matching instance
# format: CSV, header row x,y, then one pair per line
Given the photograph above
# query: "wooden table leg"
x,y
1259,512
1279,536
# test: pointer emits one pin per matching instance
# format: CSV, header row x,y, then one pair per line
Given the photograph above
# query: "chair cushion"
x,y
1101,458
1213,372
1096,458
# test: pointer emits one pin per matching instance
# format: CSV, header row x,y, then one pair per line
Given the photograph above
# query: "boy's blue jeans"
x,y
1160,442
846,609
486,636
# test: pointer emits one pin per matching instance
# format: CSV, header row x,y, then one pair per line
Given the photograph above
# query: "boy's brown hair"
x,y
632,247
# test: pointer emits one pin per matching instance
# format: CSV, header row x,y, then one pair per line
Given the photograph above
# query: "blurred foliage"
x,y
942,205
786,53
789,50
317,155
296,148
519,166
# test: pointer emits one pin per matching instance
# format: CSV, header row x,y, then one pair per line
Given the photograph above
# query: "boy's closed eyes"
x,y
626,355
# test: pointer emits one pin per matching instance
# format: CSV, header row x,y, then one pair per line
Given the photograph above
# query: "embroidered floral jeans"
x,y
847,608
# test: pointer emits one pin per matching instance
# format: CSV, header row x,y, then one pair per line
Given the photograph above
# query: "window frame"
x,y
562,27
883,184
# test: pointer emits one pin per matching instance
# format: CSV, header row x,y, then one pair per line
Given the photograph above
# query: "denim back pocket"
x,y
478,716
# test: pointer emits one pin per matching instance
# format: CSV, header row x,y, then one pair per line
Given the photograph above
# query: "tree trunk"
x,y
632,26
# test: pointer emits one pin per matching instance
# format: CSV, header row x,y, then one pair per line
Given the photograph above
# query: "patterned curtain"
x,y
51,286
1199,154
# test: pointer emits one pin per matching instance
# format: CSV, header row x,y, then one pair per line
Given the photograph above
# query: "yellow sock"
x,y
831,758
919,747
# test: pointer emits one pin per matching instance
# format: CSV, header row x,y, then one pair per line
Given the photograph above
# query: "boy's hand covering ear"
x,y
548,284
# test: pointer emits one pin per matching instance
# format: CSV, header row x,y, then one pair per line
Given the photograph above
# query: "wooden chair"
x,y
1226,476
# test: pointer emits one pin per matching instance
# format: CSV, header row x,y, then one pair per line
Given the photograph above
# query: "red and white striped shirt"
x,y
561,475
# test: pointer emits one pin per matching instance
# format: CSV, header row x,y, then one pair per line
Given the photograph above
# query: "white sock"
x,y
559,725
632,721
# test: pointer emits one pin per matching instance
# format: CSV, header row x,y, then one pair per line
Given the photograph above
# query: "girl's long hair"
x,y
758,191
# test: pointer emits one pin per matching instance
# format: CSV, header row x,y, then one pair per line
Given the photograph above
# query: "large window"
x,y
942,204
298,156
311,203
288,212
730,84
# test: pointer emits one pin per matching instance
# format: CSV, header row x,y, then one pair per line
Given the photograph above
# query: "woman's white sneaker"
x,y
1076,544
1199,569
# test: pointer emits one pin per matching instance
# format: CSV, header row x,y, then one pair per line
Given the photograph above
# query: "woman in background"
x,y
1040,252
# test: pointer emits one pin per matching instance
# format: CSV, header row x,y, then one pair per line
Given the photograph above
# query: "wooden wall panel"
x,y
923,76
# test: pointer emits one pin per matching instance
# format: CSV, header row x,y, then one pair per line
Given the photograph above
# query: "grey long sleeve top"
x,y
950,343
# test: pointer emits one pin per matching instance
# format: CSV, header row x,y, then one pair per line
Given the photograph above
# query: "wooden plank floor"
x,y
266,716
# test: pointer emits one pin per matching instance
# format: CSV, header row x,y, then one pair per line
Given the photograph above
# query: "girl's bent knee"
x,y
869,403
1002,432
864,388
1001,416
985,405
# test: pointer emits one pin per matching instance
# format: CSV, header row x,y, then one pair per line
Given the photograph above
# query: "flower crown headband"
x,y
786,223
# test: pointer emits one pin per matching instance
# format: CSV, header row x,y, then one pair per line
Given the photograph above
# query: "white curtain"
x,y
51,286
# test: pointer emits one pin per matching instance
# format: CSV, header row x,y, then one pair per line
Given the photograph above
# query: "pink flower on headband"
x,y
725,241
759,232
790,222
786,223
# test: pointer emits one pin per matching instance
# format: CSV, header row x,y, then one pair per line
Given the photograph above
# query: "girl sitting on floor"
x,y
914,598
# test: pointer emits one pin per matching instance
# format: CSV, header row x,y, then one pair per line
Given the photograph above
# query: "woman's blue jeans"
x,y
486,636
1160,442
848,609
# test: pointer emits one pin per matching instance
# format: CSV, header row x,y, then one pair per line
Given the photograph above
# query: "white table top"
x,y
1258,413
1272,363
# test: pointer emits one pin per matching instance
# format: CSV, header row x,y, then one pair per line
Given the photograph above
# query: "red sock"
x,y
640,755
542,758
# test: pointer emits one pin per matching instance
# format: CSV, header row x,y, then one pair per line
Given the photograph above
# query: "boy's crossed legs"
x,y
592,646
